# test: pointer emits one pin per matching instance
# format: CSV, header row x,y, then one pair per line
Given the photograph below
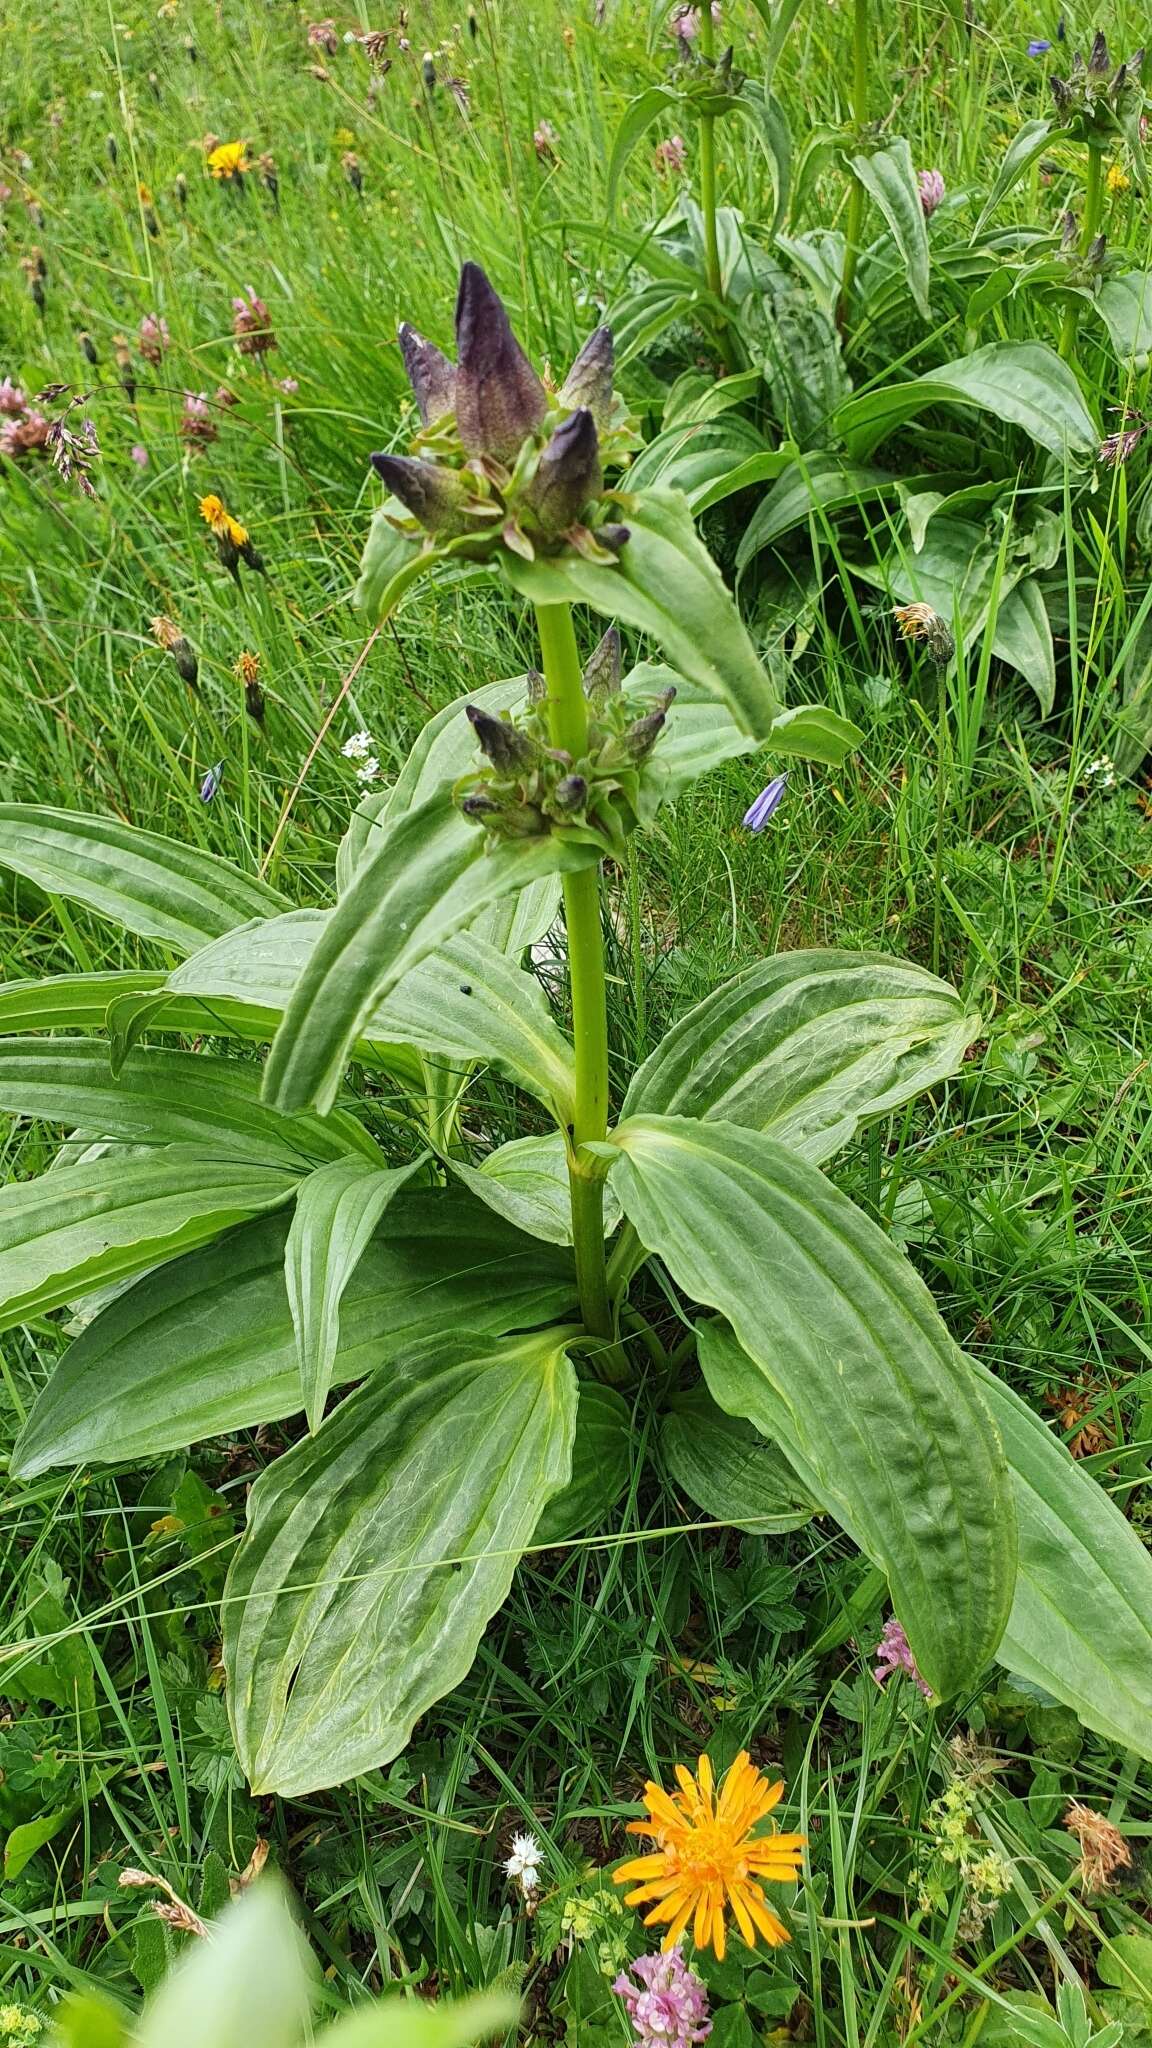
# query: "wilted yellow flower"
x,y
1118,179
228,160
215,514
1103,1849
920,622
246,668
708,1859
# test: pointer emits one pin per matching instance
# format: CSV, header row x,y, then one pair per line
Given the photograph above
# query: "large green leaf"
x,y
87,1002
806,1046
337,1211
206,1346
889,178
769,123
377,1552
1023,383
601,1465
848,1366
665,583
526,1181
430,877
69,1232
638,116
158,888
1124,304
810,484
250,1985
727,1468
468,1001
1022,636
1026,145
161,1097
1081,1621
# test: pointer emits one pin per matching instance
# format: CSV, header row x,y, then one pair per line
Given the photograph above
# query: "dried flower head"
x,y
228,161
74,451
669,156
322,36
198,428
246,667
920,622
708,1857
13,401
375,47
252,324
168,635
1103,1849
544,141
665,2001
1116,448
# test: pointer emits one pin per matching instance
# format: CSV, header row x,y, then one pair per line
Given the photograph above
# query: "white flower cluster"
x,y
523,1865
359,748
1101,772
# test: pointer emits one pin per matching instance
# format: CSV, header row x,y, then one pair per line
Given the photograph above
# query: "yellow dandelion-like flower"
x,y
228,160
215,514
1118,179
707,1858
246,668
920,622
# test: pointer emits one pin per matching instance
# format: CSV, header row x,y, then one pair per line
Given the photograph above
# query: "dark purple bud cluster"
x,y
528,787
500,460
1095,103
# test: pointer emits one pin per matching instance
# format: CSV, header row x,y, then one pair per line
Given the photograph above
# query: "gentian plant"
x,y
244,1246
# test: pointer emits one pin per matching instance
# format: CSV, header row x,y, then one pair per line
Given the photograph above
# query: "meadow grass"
x,y
973,843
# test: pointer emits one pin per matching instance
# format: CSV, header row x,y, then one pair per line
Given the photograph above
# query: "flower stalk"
x,y
854,225
708,167
568,723
1090,228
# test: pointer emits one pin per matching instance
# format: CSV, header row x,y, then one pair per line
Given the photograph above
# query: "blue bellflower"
x,y
768,801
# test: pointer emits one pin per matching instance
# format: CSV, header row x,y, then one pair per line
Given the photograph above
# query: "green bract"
x,y
243,1247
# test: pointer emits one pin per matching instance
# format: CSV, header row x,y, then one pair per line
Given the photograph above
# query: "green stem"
x,y
568,724
1093,201
708,167
854,226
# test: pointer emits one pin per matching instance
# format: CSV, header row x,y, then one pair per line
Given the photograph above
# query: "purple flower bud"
x,y
211,782
431,375
602,671
1099,62
643,734
569,474
932,189
589,381
768,801
507,748
1038,47
570,793
614,537
433,495
499,397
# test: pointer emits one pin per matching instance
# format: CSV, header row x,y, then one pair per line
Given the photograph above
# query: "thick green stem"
x,y
854,226
708,168
1090,228
568,724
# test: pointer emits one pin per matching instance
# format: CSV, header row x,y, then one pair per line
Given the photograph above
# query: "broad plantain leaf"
x,y
1026,145
526,1181
69,1232
337,1211
601,1467
848,1367
810,484
206,1346
1022,636
1023,383
85,1002
429,878
155,887
1124,304
665,583
727,1468
889,178
161,1097
377,1551
806,1046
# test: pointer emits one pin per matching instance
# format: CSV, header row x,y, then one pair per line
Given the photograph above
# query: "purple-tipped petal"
x,y
569,475
589,381
431,375
1038,47
507,748
602,670
768,801
434,496
499,397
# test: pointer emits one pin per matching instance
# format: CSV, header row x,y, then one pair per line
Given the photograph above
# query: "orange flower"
x,y
707,1857
215,514
228,160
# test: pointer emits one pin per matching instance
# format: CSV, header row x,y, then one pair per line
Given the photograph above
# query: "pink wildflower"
x,y
932,189
139,454
895,1654
12,399
153,338
668,156
668,2008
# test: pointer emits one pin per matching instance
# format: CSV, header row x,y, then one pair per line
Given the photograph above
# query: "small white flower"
x,y
523,1865
357,747
1101,771
368,770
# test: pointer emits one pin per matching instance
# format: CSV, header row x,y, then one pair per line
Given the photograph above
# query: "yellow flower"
x,y
216,515
246,668
707,1857
343,138
1118,180
228,160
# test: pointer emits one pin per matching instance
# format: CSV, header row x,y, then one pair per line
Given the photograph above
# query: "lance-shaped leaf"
x,y
337,1210
157,888
849,1366
526,1181
889,178
769,122
161,1097
806,487
1026,145
665,583
807,1046
466,1002
429,879
250,1985
1022,383
637,117
602,1450
86,1002
1081,1621
377,1552
206,1345
69,1232
726,1466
